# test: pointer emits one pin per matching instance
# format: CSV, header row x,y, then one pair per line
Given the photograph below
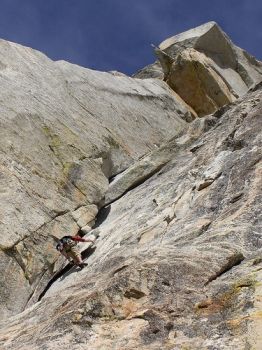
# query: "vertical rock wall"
x,y
64,131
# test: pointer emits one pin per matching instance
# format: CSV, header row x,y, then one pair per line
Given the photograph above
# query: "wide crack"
x,y
233,261
85,255
100,218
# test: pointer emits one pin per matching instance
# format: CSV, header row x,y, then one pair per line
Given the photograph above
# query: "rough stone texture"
x,y
153,70
194,77
87,228
232,62
176,266
64,131
157,159
140,171
85,215
177,260
205,68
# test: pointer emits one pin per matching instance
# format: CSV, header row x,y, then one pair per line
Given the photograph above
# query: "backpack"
x,y
65,242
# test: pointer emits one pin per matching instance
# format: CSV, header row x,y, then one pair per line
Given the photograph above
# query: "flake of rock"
x,y
84,215
207,91
214,170
87,228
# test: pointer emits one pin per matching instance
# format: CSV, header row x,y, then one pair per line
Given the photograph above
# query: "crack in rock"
x,y
233,261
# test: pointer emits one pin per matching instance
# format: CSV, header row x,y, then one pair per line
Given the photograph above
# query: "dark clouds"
x,y
116,34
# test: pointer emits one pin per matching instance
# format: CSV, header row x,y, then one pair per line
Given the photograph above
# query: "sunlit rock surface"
x,y
175,207
65,130
205,68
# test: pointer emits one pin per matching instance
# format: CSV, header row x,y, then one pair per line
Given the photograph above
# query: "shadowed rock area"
x,y
173,199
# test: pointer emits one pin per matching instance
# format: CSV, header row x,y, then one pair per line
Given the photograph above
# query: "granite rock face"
x,y
64,131
207,90
177,261
175,206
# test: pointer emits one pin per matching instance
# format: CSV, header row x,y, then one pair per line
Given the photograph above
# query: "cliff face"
x,y
65,131
173,199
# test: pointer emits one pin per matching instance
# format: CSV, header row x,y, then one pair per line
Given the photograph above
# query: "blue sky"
x,y
116,34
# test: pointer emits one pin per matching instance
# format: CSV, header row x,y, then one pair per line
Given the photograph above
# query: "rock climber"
x,y
67,246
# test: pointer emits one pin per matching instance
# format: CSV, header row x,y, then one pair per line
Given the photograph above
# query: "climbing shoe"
x,y
82,265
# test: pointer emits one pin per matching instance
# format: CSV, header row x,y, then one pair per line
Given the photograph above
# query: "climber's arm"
x,y
80,239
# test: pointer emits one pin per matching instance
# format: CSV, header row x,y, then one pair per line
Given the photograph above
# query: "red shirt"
x,y
78,239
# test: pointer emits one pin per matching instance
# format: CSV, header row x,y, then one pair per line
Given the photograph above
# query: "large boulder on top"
x,y
195,78
210,39
201,55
